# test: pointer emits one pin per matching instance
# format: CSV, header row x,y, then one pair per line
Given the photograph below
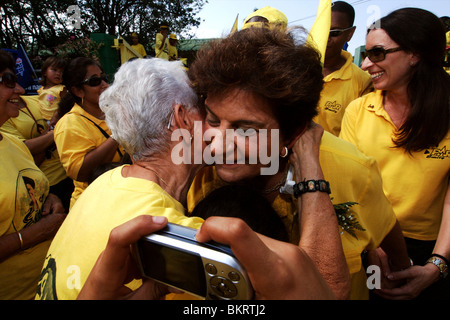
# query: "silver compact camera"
x,y
174,257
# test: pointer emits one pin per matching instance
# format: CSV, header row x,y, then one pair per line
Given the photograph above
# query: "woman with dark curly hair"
x,y
267,85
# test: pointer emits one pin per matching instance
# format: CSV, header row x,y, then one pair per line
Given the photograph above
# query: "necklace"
x,y
156,174
278,185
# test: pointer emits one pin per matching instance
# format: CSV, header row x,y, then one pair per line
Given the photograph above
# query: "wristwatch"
x,y
311,186
440,263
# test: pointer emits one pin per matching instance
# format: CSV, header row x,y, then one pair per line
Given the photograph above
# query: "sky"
x,y
218,16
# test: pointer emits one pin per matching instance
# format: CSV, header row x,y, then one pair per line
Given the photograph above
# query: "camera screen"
x,y
174,267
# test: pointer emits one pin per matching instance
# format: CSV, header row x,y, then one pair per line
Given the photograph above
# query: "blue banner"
x,y
26,76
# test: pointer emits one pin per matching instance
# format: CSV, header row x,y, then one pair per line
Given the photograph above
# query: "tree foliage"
x,y
46,24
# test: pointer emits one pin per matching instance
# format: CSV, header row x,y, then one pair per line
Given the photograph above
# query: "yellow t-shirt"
x,y
353,177
164,52
139,48
23,190
173,53
414,183
49,100
75,136
340,88
108,202
25,127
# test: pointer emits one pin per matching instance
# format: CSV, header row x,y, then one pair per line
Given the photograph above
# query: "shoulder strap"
x,y
105,134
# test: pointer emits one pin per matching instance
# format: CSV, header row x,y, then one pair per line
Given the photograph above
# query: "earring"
x,y
286,152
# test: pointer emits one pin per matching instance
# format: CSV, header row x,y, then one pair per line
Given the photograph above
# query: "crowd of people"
x,y
88,168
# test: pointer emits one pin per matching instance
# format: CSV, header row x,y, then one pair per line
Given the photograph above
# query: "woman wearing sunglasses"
x,y
404,124
31,128
82,136
29,214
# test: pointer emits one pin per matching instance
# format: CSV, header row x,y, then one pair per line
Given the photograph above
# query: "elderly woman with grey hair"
x,y
148,101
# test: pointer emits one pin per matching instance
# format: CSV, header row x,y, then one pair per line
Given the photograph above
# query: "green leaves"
x,y
346,218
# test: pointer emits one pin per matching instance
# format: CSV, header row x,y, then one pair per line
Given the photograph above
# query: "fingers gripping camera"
x,y
207,270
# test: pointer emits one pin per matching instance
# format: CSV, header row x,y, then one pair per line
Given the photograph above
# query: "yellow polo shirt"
x,y
24,127
108,202
353,177
414,183
340,88
75,136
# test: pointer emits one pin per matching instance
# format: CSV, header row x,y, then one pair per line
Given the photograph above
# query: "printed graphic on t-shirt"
x,y
333,106
46,289
31,191
51,99
437,153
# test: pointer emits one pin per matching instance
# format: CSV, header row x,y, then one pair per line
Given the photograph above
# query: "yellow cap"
x,y
134,34
275,18
173,36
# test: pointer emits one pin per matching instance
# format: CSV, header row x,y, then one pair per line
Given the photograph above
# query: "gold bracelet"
x,y
20,239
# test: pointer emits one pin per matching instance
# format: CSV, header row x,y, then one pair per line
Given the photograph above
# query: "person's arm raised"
x,y
318,223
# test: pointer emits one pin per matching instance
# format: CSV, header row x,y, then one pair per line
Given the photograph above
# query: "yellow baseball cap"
x,y
274,17
173,36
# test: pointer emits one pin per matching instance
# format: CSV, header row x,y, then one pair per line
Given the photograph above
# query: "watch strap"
x,y
440,263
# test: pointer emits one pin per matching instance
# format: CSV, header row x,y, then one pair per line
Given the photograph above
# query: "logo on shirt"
x,y
333,106
51,99
437,153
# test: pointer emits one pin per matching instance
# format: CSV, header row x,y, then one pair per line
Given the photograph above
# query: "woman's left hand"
x,y
417,279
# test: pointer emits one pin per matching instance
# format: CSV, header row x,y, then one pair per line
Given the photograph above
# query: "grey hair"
x,y
139,104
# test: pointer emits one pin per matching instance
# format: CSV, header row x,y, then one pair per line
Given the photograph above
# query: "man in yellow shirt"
x,y
138,47
173,51
162,43
344,81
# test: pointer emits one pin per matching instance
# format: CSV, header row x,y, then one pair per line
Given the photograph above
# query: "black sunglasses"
x,y
95,81
9,80
378,54
338,32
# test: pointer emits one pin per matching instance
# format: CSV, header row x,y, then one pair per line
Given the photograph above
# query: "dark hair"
x,y
74,74
6,61
446,22
268,63
421,32
245,203
344,7
54,61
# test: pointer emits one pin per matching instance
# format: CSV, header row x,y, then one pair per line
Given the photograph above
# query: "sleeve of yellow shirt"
x,y
73,141
348,122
